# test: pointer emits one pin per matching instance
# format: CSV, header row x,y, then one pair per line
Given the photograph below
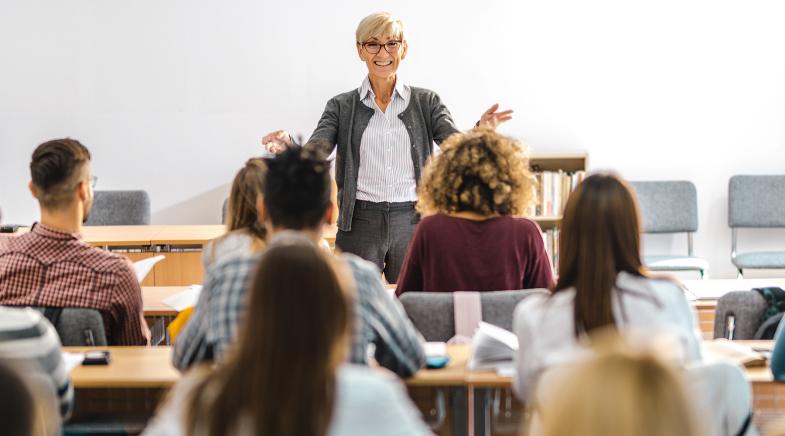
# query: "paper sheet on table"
x,y
435,349
184,299
144,266
72,360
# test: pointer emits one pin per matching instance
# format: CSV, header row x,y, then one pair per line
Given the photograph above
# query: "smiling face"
x,y
384,64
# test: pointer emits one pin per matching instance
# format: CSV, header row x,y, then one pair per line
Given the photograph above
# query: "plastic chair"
x,y
756,201
120,208
670,207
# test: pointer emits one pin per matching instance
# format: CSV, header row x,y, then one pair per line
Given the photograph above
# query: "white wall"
x,y
172,96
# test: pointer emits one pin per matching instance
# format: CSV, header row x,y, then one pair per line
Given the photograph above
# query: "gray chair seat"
x,y
760,259
746,308
432,313
675,263
79,327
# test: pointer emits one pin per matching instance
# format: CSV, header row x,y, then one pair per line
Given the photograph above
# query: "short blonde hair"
x,y
480,171
618,392
379,23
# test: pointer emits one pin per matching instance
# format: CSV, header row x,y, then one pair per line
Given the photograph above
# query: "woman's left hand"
x,y
492,119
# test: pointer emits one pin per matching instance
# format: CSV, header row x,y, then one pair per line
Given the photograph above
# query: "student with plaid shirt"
x,y
52,267
297,198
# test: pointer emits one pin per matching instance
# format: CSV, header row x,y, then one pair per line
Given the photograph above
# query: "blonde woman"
x,y
473,237
384,131
618,392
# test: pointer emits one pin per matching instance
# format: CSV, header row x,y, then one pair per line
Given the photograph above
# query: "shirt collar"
x,y
52,233
402,90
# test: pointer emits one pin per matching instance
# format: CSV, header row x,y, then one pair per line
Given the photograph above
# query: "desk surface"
x,y
137,367
153,296
130,367
133,236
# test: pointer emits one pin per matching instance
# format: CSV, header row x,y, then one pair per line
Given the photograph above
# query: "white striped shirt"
x,y
386,170
26,337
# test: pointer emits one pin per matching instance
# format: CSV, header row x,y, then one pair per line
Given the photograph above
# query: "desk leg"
x,y
482,412
460,407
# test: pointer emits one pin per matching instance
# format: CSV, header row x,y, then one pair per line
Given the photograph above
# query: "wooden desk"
x,y
152,300
130,367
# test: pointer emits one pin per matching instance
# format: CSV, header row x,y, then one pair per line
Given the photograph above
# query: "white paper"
x,y
144,266
72,360
435,349
184,299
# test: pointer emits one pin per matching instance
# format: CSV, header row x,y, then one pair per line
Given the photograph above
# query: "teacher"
x,y
384,131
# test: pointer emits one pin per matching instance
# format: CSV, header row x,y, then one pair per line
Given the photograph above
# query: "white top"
x,y
367,402
386,170
545,327
238,243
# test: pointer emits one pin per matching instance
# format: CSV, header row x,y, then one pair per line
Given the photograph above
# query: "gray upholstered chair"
x,y
224,210
670,207
120,208
756,201
738,315
432,312
78,327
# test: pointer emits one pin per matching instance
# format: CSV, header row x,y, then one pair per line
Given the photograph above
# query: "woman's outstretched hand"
x,y
492,119
277,141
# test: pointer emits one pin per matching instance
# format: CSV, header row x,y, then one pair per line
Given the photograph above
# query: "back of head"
x,y
600,237
297,190
27,405
56,168
247,186
480,171
281,374
618,392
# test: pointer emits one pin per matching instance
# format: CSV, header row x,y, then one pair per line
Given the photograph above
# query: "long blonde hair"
x,y
618,392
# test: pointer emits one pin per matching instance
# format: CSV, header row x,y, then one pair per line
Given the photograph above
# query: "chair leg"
x,y
740,275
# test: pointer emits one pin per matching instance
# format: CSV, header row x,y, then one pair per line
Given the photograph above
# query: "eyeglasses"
x,y
391,47
93,181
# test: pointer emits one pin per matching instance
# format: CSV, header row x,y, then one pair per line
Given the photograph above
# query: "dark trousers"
x,y
380,234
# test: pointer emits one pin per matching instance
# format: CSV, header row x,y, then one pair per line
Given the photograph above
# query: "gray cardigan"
x,y
343,122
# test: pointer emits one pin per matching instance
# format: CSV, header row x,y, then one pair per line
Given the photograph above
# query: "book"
x,y
723,349
493,348
144,266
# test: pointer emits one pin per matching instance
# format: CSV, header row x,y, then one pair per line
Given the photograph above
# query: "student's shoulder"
x,y
241,264
360,268
371,384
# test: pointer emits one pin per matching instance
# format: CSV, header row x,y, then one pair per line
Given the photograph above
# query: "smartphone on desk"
x,y
102,357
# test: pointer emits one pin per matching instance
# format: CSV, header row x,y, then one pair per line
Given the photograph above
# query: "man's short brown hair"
x,y
56,168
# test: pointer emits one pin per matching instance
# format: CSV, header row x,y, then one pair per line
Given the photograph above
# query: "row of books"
x,y
551,239
553,189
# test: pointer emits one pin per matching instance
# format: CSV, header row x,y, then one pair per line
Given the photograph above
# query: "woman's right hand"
x,y
277,141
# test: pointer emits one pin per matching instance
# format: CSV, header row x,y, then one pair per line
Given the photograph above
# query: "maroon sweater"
x,y
450,254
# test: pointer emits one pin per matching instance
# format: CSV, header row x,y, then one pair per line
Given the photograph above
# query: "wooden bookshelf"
x,y
567,162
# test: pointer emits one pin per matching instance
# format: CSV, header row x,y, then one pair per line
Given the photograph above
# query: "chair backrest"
x,y
120,208
746,308
756,201
224,210
667,206
79,327
433,315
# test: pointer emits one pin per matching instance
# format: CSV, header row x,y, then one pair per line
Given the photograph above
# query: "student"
x,y
285,375
601,284
474,237
51,266
245,233
616,392
297,198
29,340
26,407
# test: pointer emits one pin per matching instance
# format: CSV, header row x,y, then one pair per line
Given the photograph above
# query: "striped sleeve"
x,y
28,338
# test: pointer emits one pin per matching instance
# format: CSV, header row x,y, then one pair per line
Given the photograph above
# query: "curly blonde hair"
x,y
480,171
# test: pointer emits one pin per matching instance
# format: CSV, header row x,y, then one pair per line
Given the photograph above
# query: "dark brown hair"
x,y
297,189
280,377
56,169
241,213
600,237
480,171
17,408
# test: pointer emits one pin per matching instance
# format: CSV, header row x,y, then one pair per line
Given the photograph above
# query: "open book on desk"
x,y
493,348
741,354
